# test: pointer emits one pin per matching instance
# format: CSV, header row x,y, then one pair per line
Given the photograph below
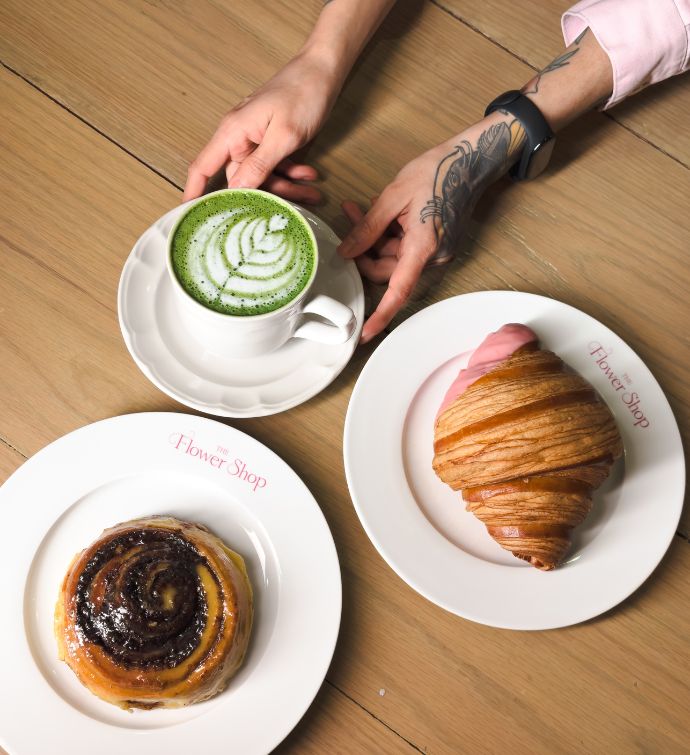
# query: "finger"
x,y
395,229
370,228
402,282
376,270
296,171
230,169
390,247
259,165
289,190
352,211
384,246
207,162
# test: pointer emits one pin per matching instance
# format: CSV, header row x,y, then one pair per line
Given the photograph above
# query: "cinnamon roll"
x,y
156,612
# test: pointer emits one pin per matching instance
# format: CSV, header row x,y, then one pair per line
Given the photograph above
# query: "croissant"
x,y
527,441
155,613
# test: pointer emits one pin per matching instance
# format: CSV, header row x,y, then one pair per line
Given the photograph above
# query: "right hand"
x,y
254,140
421,216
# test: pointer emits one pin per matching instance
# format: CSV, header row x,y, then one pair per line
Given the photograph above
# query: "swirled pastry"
x,y
156,612
527,441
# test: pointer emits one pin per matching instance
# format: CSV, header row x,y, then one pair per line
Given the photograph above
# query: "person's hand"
x,y
254,140
421,216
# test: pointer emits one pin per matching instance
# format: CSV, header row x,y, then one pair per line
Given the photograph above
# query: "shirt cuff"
x,y
645,40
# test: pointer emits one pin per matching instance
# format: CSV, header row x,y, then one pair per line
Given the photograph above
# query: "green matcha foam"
x,y
242,253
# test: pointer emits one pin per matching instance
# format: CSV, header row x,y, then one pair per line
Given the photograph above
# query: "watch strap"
x,y
536,127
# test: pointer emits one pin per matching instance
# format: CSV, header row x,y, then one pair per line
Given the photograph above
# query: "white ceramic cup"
x,y
229,335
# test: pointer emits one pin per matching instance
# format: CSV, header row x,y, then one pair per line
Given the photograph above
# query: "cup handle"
x,y
342,318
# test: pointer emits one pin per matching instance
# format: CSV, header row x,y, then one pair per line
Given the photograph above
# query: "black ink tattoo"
x,y
560,62
460,179
577,39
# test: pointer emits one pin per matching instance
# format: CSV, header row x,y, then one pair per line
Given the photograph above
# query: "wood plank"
x,y
585,233
10,460
449,685
335,724
146,73
614,683
531,29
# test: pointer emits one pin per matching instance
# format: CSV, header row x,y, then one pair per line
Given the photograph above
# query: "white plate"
x,y
172,359
419,525
61,499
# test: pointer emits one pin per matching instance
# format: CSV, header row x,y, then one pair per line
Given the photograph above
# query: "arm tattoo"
x,y
577,39
460,178
559,62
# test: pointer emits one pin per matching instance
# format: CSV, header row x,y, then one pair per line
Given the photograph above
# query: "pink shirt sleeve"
x,y
646,40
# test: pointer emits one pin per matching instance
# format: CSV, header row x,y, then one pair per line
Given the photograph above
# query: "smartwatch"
x,y
540,139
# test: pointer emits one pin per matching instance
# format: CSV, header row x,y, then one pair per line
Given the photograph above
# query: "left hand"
x,y
423,213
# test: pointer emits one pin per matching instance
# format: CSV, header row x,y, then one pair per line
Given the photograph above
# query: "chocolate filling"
x,y
141,599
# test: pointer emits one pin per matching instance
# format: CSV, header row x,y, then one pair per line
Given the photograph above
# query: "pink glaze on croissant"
x,y
493,350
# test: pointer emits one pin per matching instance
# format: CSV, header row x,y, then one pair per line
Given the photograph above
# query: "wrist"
x,y
341,31
326,56
573,83
498,138
463,167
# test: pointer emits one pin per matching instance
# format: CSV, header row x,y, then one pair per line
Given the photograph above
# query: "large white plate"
x,y
172,359
419,525
61,499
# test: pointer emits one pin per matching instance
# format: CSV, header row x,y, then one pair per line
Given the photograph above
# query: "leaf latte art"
x,y
156,612
243,253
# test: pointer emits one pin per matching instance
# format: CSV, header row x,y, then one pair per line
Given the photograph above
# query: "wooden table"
x,y
104,105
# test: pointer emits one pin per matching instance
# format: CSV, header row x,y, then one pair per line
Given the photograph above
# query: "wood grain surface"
x,y
104,105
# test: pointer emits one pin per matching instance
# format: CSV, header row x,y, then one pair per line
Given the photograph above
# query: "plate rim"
x,y
398,336
330,611
221,410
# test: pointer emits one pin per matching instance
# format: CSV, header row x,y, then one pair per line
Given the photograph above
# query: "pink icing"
x,y
493,350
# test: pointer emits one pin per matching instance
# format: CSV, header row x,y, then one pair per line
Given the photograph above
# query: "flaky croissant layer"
x,y
527,444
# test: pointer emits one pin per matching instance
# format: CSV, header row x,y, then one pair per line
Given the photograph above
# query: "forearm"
x,y
646,40
341,32
573,83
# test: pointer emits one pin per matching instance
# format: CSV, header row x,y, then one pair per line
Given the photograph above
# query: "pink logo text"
x,y
219,459
621,384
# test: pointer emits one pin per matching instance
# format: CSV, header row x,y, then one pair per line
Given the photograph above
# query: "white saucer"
x,y
61,499
420,526
171,358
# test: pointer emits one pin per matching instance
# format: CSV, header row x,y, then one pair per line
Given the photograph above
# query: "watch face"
x,y
539,159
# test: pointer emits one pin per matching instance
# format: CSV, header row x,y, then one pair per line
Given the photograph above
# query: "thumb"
x,y
258,166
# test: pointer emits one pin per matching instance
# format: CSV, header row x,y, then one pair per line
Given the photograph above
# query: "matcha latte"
x,y
243,253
